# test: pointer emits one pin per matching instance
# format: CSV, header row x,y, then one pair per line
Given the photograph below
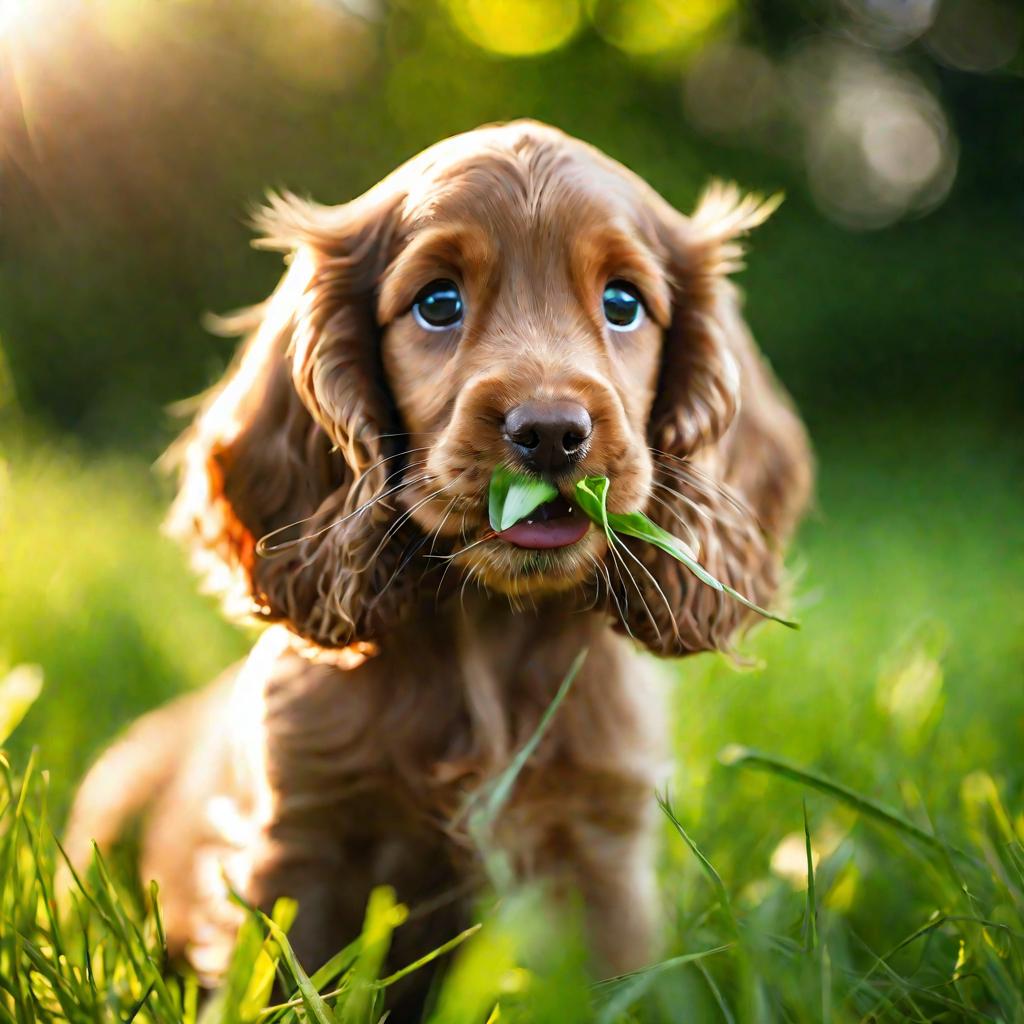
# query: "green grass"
x,y
889,730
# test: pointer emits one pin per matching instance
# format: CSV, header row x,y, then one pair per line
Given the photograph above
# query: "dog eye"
x,y
438,306
622,306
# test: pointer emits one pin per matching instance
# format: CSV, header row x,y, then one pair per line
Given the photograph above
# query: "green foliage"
x,y
103,958
92,594
94,951
897,720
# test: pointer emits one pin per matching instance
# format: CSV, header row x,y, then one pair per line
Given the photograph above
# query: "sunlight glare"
x,y
12,13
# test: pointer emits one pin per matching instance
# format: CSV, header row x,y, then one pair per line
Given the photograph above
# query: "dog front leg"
x,y
305,864
615,876
607,869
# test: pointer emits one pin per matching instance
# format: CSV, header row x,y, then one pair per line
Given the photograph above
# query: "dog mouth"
x,y
555,524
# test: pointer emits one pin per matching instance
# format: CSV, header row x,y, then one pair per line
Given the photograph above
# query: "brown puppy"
x,y
509,296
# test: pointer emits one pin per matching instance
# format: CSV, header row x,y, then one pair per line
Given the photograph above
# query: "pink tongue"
x,y
552,533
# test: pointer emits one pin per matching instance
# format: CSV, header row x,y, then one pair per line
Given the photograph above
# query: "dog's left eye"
x,y
438,306
622,306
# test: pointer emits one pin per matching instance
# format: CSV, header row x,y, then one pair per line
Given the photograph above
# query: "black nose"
x,y
548,436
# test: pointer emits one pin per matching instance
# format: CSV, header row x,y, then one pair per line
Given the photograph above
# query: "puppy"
x,y
509,297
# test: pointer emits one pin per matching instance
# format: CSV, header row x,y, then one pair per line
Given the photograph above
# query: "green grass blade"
x,y
745,757
140,1003
158,920
490,800
19,690
709,869
716,993
383,915
430,957
312,1002
592,498
811,918
239,998
59,985
513,496
624,990
340,962
130,937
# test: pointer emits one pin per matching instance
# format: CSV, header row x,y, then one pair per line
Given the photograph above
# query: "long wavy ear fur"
x,y
727,441
699,392
291,435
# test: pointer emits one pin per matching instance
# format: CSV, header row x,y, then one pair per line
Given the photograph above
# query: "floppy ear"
x,y
699,392
731,458
290,440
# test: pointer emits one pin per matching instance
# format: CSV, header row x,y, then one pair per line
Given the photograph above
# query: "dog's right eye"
x,y
438,306
623,308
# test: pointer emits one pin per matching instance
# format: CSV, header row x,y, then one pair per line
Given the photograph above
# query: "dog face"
x,y
510,297
522,322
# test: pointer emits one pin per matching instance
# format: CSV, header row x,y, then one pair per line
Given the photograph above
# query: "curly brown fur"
x,y
335,484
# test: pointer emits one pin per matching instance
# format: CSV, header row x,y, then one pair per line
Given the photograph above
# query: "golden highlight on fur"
x,y
335,484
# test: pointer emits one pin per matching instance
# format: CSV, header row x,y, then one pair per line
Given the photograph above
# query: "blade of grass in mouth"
x,y
513,496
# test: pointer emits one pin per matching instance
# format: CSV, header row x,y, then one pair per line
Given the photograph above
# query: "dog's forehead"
x,y
522,171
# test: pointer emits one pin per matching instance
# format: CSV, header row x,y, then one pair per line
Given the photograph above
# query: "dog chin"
x,y
524,572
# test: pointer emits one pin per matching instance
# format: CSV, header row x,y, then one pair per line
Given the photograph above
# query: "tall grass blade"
x,y
383,915
18,692
736,756
665,803
624,990
312,1001
430,957
811,910
486,804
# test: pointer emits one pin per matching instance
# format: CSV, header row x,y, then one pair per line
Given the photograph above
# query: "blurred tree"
x,y
135,136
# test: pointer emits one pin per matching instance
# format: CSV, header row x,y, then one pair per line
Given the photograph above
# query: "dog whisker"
x,y
701,481
639,590
407,515
364,476
621,608
264,550
468,547
444,519
657,587
406,433
694,540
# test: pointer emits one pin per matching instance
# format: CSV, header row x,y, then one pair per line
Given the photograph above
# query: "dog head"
x,y
509,297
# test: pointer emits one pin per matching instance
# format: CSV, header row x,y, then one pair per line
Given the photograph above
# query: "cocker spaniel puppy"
x,y
511,296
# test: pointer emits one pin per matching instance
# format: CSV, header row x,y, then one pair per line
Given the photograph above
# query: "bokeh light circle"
x,y
976,35
732,90
642,27
517,28
888,24
877,144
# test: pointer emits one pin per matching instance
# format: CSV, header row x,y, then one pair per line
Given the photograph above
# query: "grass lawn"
x,y
894,720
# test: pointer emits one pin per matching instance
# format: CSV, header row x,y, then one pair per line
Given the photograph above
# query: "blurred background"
x,y
135,135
